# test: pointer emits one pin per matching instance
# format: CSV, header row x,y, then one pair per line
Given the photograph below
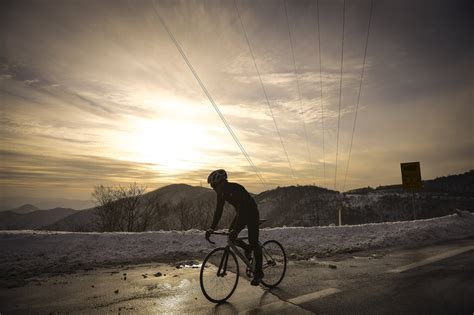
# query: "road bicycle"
x,y
219,274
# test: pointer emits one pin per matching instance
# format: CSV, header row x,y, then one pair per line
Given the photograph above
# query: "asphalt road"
x,y
358,283
368,287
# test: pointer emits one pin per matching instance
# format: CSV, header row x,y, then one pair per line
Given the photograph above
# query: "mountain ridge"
x,y
293,205
33,220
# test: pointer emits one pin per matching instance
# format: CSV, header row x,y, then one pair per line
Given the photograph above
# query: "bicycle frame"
x,y
219,258
221,271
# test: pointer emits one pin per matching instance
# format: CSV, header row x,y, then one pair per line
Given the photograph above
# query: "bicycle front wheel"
x,y
273,264
219,275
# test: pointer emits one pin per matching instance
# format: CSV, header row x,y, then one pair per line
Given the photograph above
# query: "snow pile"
x,y
25,253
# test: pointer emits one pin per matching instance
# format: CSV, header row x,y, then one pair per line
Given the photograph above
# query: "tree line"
x,y
128,208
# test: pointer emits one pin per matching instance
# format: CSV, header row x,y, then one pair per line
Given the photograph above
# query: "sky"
x,y
96,92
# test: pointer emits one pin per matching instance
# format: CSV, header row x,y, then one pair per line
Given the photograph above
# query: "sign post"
x,y
340,221
411,178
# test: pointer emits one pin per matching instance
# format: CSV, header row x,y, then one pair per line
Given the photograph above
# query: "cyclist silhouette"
x,y
247,215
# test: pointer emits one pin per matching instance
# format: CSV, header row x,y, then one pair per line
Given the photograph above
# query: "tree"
x,y
149,215
184,211
118,207
109,215
129,198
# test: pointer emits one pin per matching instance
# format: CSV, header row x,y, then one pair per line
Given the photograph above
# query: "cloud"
x,y
81,77
42,169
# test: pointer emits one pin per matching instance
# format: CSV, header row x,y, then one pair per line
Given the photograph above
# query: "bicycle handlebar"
x,y
216,233
220,233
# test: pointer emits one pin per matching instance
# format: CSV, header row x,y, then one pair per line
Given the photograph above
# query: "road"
x,y
435,279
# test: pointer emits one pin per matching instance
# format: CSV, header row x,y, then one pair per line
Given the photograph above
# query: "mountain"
x,y
438,197
174,200
184,207
25,209
453,185
173,194
79,221
65,203
8,203
33,220
297,206
459,185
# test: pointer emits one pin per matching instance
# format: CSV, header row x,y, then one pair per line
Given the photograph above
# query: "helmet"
x,y
216,177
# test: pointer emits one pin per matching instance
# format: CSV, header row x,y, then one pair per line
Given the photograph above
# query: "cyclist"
x,y
247,215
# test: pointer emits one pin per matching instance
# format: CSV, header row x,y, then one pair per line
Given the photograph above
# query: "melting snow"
x,y
45,251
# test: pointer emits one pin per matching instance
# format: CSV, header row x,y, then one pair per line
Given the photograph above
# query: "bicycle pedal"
x,y
249,273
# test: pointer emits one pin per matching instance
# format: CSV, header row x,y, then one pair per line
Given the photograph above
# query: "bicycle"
x,y
219,275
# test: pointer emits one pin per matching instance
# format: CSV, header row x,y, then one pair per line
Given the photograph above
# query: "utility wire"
x,y
360,88
340,91
298,89
321,88
264,90
209,96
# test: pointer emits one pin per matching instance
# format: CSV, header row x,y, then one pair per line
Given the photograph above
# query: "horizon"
x,y
18,204
97,93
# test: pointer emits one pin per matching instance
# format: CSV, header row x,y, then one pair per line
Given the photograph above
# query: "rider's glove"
x,y
208,233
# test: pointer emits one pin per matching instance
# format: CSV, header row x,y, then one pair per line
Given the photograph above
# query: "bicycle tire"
x,y
282,261
211,260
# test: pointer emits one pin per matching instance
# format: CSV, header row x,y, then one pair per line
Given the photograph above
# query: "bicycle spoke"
x,y
218,288
274,263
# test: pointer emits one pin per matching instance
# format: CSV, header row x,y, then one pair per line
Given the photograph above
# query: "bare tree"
x,y
203,213
109,215
129,198
118,208
150,212
184,211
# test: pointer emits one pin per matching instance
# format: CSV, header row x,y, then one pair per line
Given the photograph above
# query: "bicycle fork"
x,y
222,270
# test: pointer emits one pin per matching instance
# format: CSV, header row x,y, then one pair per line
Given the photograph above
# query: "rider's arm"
x,y
218,212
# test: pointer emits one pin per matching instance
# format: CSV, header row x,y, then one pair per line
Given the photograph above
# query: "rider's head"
x,y
217,178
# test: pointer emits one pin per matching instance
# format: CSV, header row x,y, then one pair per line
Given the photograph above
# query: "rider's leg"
x,y
235,228
253,241
257,250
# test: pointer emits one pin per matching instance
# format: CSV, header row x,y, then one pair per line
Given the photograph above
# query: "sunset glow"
x,y
171,145
97,92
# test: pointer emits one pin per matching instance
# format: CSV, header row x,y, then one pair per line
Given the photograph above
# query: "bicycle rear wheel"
x,y
219,275
273,264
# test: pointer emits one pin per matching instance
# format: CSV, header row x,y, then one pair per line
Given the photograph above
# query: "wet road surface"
x,y
359,283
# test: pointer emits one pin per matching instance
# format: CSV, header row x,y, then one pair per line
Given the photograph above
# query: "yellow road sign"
x,y
411,175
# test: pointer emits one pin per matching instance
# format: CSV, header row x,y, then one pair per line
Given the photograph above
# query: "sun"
x,y
171,145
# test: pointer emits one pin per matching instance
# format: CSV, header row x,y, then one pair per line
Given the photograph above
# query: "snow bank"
x,y
26,253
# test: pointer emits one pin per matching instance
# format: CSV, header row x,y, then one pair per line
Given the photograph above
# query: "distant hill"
x,y
65,203
461,185
172,194
297,205
169,196
185,207
9,203
79,221
33,220
438,197
25,209
453,185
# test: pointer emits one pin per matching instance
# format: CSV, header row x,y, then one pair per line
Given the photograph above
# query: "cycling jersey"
x,y
237,196
247,215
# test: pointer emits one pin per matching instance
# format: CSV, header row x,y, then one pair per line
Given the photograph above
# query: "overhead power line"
x,y
209,97
360,89
321,88
264,90
298,89
340,91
